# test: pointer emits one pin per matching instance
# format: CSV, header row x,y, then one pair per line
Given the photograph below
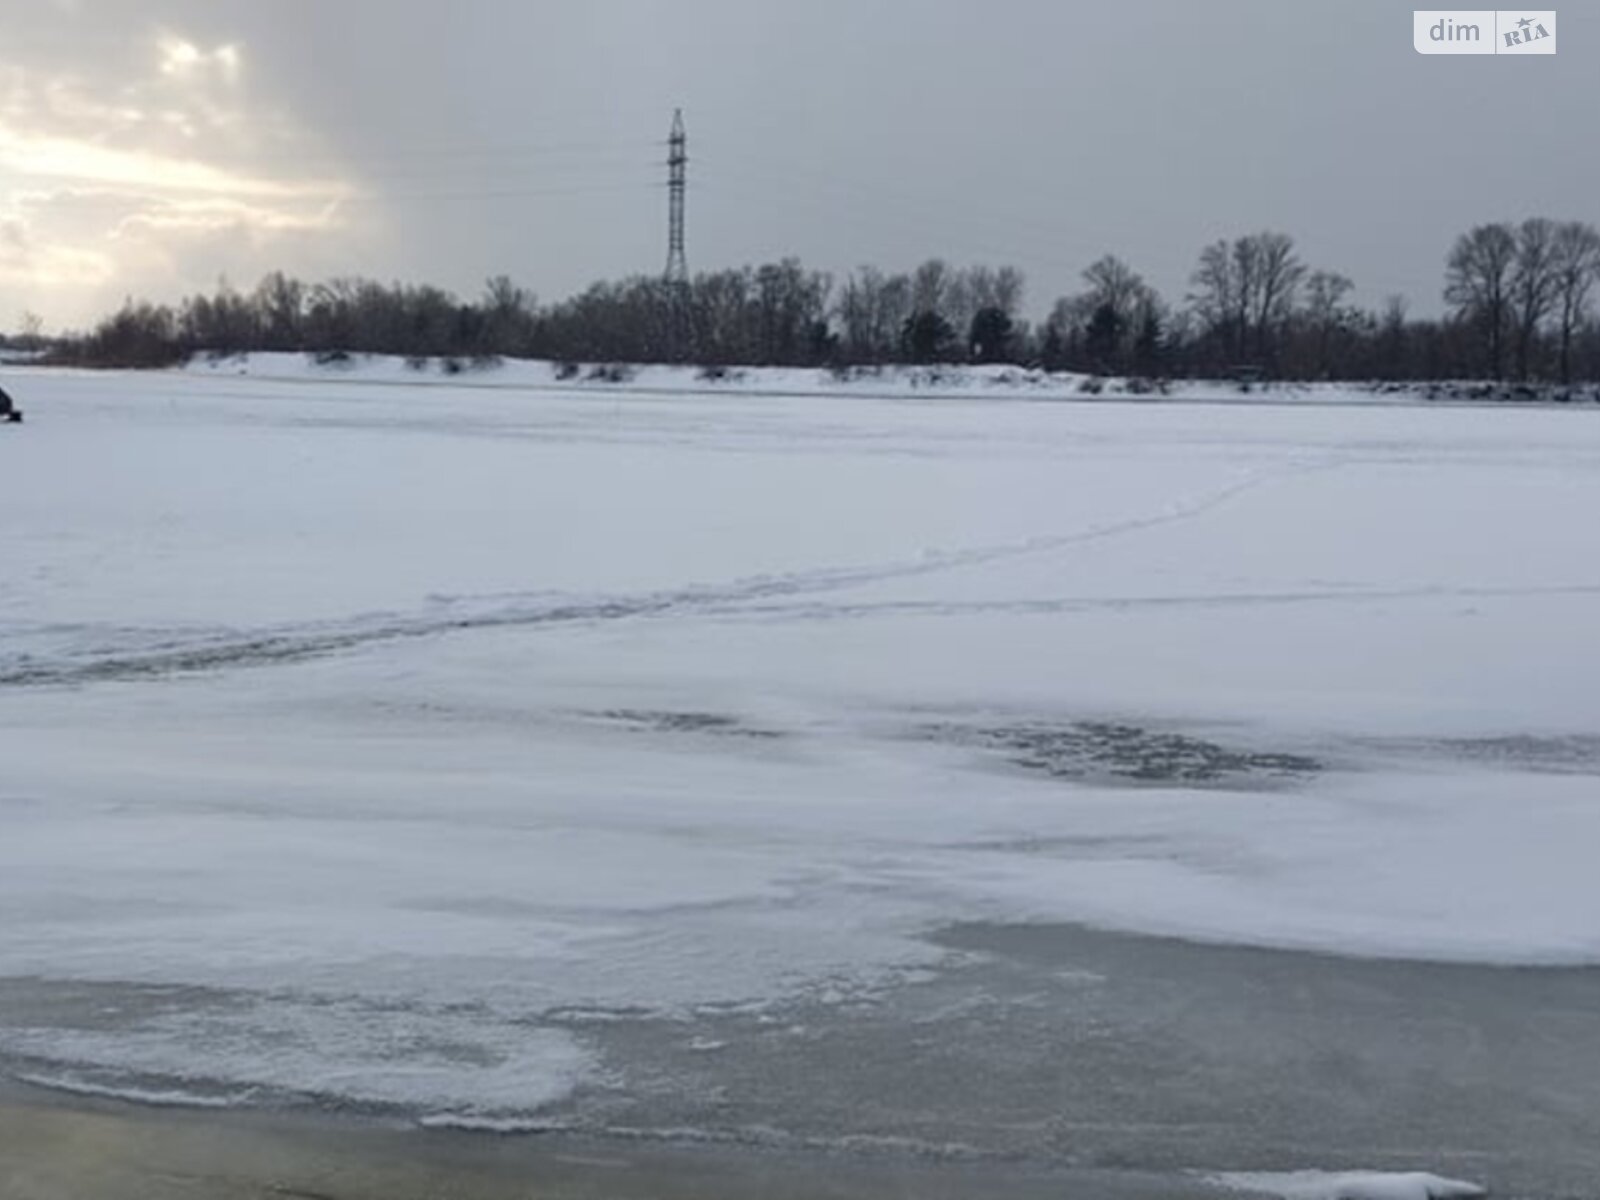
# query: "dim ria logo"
x,y
1484,31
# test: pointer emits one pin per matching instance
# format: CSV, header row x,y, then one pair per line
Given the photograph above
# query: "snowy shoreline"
x,y
887,382
103,1151
121,1137
956,383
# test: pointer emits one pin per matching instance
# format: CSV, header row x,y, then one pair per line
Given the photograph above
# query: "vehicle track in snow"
x,y
165,653
1052,605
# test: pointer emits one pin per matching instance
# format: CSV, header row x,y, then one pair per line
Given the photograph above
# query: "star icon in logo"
x,y
1525,22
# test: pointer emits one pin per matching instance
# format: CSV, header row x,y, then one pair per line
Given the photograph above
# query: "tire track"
x,y
215,651
1084,604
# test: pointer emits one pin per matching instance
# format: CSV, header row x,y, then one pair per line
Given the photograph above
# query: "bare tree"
x,y
1247,277
280,308
1245,291
1115,284
1534,284
974,289
1478,284
1119,305
1576,266
1326,315
789,303
855,310
719,301
1272,284
1009,284
1061,342
930,286
30,331
873,309
1392,346
507,312
1220,298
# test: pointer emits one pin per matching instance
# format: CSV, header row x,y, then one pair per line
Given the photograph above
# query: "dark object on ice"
x,y
1107,751
10,414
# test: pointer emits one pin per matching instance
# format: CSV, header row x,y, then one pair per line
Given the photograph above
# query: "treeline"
x,y
1519,298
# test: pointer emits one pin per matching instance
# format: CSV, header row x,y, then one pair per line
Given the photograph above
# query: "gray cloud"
x,y
449,142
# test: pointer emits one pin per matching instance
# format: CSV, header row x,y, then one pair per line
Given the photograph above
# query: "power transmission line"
x,y
677,276
677,187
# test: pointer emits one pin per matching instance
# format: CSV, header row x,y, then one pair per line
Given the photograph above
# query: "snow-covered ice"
x,y
353,694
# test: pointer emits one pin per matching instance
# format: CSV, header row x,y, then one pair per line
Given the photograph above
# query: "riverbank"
x,y
59,1149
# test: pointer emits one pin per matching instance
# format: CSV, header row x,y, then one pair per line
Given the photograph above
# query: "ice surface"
x,y
381,703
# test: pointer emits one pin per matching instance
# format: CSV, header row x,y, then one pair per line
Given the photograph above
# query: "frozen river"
x,y
1193,787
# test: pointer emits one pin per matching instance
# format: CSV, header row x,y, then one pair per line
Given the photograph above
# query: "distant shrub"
x,y
566,370
417,362
611,373
1139,386
718,373
331,358
1093,385
139,336
937,377
849,373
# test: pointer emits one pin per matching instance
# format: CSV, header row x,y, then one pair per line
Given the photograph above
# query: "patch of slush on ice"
x,y
322,1051
1110,750
1349,1185
718,724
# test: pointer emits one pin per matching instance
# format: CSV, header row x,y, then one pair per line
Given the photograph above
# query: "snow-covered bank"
x,y
951,382
322,702
955,382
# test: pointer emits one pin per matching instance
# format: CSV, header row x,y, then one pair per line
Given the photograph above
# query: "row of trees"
x,y
1524,285
1519,296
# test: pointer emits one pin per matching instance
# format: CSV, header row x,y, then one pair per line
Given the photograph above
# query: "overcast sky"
x,y
151,148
